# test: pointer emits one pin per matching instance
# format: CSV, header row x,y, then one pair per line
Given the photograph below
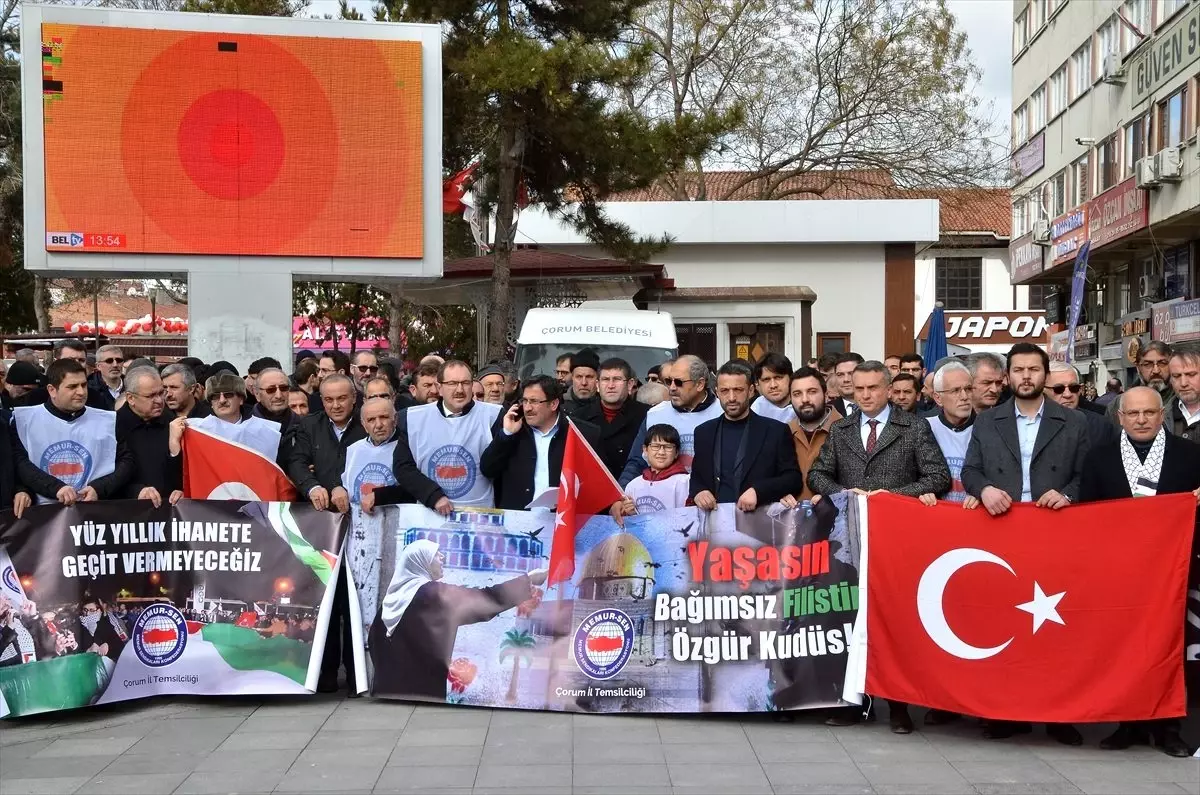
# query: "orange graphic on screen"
x,y
175,142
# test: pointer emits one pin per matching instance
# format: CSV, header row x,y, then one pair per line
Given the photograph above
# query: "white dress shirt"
x,y
865,429
1027,433
541,467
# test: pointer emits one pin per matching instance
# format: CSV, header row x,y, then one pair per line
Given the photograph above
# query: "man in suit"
x,y
315,464
1027,449
842,383
879,448
1063,385
742,457
1144,460
526,454
616,414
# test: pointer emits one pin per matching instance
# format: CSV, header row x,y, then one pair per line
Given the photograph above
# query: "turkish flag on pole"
x,y
455,188
1070,616
585,488
218,469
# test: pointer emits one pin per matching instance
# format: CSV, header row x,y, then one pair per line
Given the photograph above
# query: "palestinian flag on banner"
x,y
279,516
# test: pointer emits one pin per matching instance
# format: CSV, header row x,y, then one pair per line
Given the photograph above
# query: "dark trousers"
x,y
339,643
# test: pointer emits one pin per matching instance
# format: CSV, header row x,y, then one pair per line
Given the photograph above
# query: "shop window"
x,y
1136,135
959,282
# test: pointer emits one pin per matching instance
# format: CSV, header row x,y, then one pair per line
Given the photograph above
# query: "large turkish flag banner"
x,y
218,469
1070,616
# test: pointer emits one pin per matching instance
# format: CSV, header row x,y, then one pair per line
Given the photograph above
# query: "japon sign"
x,y
1117,212
1067,233
992,328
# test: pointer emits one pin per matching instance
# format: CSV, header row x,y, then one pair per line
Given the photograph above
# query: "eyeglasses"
x,y
152,396
271,390
224,396
457,384
957,392
678,382
1148,414
532,402
1074,389
367,368
113,360
660,447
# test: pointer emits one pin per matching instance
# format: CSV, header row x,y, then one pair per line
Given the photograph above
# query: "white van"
x,y
641,338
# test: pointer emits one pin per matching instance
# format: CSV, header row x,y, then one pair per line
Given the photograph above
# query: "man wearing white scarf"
x,y
412,639
1143,462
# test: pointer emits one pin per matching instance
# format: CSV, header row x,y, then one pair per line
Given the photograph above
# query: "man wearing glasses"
x,y
1063,385
691,403
144,426
1154,370
366,367
1143,461
273,387
231,418
439,447
110,367
526,453
616,414
953,423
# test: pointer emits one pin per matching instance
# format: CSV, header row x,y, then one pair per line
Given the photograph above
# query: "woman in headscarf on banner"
x,y
412,639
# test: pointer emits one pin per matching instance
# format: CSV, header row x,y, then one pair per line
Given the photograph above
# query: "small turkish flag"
x,y
1037,615
218,469
585,487
455,188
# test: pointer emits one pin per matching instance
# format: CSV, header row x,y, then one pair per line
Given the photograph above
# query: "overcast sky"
x,y
987,23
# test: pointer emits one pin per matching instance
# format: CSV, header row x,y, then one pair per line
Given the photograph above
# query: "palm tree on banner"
x,y
517,644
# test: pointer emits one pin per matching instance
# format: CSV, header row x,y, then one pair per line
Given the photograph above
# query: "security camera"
x,y
1087,142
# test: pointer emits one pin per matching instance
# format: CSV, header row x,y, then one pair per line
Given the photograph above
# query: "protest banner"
x,y
109,601
677,611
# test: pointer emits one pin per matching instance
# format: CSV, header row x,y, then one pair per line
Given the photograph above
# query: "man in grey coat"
x,y
879,448
1027,449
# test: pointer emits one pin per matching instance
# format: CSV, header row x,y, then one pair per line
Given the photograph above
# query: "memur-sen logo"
x,y
64,239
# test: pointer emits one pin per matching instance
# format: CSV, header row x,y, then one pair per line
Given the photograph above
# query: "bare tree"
x,y
826,89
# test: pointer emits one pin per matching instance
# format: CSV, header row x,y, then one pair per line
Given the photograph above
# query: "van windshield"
x,y
539,359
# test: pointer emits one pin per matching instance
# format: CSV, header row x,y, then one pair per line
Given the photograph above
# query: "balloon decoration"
x,y
142,325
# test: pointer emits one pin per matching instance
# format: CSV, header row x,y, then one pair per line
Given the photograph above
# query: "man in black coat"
x,y
526,454
144,426
10,486
1145,460
742,457
616,414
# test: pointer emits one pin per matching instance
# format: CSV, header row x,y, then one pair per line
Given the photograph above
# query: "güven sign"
x,y
1170,54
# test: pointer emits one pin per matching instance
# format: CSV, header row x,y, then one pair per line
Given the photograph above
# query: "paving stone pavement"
x,y
338,745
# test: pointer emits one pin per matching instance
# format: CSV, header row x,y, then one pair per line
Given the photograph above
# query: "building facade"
x,y
1105,154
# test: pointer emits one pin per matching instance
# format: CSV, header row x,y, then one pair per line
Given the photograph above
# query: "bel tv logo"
x,y
64,239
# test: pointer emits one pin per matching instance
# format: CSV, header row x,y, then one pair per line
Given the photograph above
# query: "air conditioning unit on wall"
x,y
1169,165
1041,233
1147,172
1150,287
1113,70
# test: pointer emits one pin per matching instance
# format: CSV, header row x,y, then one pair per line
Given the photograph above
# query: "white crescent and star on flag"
x,y
931,589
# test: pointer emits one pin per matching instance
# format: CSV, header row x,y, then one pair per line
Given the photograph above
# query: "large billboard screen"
x,y
164,141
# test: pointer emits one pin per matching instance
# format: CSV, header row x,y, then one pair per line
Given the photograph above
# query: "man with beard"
x,y
493,380
1063,385
1183,411
905,392
179,384
691,403
585,382
439,448
1144,461
987,380
424,387
1154,370
810,425
616,414
1032,450
742,457
772,376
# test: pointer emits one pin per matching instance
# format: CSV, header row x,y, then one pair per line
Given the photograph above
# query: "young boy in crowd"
x,y
664,485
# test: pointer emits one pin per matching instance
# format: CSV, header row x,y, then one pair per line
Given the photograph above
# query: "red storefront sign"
x,y
1117,212
1067,233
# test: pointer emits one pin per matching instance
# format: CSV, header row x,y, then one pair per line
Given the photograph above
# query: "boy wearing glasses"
x,y
663,484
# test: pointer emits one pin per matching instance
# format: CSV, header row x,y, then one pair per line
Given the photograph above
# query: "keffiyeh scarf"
x,y
1151,468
